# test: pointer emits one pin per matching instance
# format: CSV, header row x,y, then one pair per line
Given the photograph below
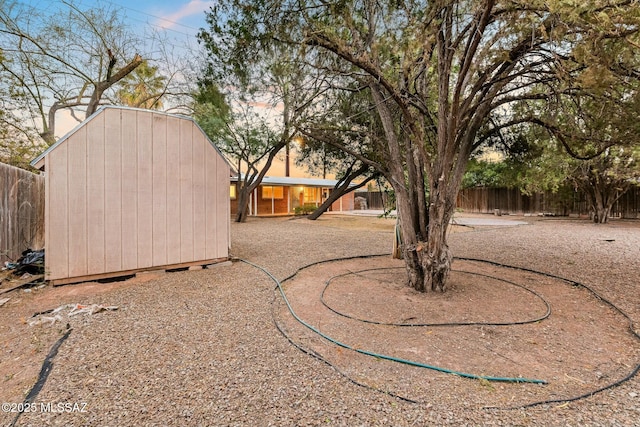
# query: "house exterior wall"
x,y
345,203
132,190
273,206
292,195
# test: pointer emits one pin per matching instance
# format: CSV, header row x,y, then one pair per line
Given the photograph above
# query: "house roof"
x,y
38,162
293,181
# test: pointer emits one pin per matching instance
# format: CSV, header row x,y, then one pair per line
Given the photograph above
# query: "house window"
x,y
311,195
232,191
272,192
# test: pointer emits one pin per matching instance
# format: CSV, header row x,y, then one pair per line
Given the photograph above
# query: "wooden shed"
x,y
131,190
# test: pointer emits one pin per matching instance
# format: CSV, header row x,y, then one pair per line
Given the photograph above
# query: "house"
x,y
286,195
130,190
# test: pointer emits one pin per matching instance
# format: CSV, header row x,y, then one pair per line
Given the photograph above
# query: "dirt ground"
x,y
493,323
24,347
523,336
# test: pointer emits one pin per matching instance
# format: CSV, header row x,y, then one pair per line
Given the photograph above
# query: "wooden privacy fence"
x,y
21,212
375,199
513,201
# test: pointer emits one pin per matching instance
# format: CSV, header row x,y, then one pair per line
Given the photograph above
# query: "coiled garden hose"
x,y
384,356
373,322
617,383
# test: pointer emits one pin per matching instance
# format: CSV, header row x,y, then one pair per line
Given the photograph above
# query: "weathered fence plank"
x,y
21,212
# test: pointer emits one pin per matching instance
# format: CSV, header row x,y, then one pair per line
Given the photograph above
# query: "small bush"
x,y
305,209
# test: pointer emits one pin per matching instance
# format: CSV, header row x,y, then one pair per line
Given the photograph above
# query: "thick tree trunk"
x,y
601,207
598,203
427,258
601,215
111,79
602,193
429,261
438,257
243,204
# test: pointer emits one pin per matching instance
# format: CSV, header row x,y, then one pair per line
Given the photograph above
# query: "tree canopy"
x,y
74,58
442,77
62,61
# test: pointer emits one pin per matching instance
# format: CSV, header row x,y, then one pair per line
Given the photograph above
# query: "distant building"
x,y
282,195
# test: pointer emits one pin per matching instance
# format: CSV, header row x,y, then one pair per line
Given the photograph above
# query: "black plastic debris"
x,y
31,262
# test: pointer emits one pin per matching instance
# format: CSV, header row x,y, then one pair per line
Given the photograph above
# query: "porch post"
x,y
255,201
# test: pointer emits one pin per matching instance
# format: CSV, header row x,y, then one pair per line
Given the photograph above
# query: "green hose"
x,y
383,356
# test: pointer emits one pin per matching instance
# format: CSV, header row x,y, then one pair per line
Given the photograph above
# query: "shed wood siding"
x,y
131,190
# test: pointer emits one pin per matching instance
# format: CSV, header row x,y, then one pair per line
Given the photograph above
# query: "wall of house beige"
x,y
130,190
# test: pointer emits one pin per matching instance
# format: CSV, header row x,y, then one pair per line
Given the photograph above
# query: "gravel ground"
x,y
199,348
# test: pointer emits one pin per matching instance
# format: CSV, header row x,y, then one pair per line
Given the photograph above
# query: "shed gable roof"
x,y
38,162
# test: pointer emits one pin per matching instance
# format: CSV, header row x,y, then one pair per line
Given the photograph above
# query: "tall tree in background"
x,y
593,139
142,88
211,110
252,144
438,73
271,86
342,137
606,178
64,61
592,146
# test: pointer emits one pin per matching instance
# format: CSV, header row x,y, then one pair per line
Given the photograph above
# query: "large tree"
x,y
252,144
61,61
603,177
438,73
592,138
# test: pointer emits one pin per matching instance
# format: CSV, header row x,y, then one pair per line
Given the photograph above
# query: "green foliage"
x,y
143,88
306,209
482,173
211,111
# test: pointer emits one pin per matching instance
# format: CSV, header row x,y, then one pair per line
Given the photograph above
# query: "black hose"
x,y
632,374
522,322
45,370
614,384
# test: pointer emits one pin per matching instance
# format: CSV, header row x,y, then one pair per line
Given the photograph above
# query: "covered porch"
x,y
289,195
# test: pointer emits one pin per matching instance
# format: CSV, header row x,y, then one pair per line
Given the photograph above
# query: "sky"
x,y
180,19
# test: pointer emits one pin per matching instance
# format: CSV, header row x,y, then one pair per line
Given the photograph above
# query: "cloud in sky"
x,y
193,7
